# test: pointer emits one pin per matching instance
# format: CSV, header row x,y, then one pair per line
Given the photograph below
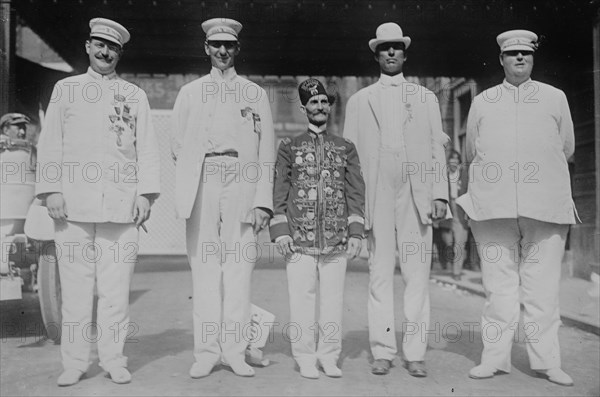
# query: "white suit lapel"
x,y
375,107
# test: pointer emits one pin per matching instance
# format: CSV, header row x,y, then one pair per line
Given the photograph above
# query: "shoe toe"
x,y
200,370
417,369
69,377
381,367
482,372
558,376
243,369
309,372
332,371
120,375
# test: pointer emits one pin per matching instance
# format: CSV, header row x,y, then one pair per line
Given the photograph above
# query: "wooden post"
x,y
7,57
596,265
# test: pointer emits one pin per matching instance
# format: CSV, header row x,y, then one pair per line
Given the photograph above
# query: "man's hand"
x,y
57,208
354,247
438,209
286,246
261,220
141,210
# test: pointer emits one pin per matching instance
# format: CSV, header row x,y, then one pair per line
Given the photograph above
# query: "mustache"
x,y
105,57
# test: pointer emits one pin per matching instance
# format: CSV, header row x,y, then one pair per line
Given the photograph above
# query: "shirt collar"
x,y
98,76
317,130
220,75
387,80
508,85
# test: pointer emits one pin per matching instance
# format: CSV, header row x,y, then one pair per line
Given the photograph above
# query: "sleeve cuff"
x,y
267,210
279,227
279,238
356,229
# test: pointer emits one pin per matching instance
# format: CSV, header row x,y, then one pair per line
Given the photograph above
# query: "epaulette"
x,y
286,141
348,140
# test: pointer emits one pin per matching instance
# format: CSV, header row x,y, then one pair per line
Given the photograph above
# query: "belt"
x,y
230,153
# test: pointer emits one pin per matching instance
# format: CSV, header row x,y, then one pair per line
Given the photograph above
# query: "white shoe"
x,y
240,368
69,377
556,375
332,370
120,375
200,370
482,371
309,371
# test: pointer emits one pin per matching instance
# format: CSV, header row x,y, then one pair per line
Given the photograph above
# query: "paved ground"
x,y
160,349
579,298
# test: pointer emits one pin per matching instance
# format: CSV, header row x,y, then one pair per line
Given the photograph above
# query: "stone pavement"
x,y
160,346
579,299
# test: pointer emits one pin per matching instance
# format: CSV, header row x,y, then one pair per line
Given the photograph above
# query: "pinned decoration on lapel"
x,y
409,115
249,113
246,112
257,126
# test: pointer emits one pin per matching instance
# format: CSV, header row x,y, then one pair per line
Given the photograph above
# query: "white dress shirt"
x,y
223,129
391,103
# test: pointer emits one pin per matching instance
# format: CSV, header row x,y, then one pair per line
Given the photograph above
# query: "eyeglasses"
x,y
517,52
386,46
229,45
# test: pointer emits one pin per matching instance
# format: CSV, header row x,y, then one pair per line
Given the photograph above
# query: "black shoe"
x,y
416,369
381,367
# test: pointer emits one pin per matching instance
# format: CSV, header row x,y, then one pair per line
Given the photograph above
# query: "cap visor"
x,y
222,36
518,47
106,37
19,121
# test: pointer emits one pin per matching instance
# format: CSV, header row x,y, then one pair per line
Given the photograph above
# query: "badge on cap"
x,y
311,87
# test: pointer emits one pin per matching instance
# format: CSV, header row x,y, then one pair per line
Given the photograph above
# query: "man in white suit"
x,y
519,137
99,175
396,126
223,144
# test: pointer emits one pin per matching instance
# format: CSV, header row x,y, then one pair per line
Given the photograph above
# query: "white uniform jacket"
x,y
518,143
192,121
98,148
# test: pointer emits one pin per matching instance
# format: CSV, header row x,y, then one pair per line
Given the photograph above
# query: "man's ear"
x,y
501,60
303,109
238,47
87,46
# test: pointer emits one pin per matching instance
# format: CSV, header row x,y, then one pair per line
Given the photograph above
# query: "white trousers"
x,y
222,252
101,254
396,224
527,252
306,275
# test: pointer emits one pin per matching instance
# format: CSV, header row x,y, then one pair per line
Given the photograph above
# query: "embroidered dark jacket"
x,y
319,192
